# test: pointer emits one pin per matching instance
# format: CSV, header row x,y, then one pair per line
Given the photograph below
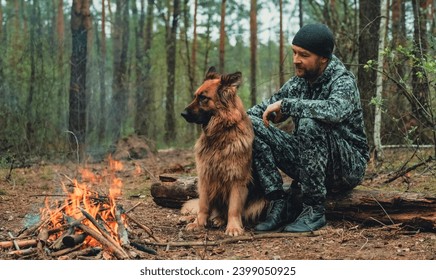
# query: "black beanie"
x,y
316,38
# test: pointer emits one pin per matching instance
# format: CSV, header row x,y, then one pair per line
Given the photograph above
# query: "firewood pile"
x,y
85,225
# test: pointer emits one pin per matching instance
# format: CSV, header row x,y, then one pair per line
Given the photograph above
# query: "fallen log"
x,y
367,206
415,210
173,190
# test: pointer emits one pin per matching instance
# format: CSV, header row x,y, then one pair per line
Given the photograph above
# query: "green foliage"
x,y
377,101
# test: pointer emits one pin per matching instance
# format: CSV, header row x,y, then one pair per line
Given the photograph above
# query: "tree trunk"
x,y
32,81
420,85
171,45
60,33
369,17
300,12
191,60
140,124
120,79
207,43
222,37
253,51
1,21
194,49
145,106
281,48
191,53
80,24
60,41
101,47
2,43
379,82
397,105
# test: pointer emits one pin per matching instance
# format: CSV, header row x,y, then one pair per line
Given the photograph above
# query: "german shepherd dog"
x,y
223,155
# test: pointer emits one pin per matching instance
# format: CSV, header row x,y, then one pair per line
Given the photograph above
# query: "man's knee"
x,y
311,126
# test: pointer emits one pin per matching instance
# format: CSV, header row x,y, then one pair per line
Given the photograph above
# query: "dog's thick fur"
x,y
223,155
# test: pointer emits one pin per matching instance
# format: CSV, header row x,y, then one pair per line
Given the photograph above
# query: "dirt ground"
x,y
23,190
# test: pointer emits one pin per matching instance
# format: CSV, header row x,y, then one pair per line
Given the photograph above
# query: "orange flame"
x,y
84,198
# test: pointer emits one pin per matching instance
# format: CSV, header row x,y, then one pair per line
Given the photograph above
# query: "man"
x,y
326,152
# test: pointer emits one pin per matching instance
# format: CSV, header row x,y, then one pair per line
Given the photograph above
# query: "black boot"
x,y
275,217
310,219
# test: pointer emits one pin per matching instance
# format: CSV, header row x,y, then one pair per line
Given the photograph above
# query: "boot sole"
x,y
279,229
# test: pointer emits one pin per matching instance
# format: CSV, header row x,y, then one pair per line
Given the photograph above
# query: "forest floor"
x,y
23,191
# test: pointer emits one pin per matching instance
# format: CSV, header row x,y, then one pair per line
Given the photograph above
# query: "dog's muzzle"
x,y
200,118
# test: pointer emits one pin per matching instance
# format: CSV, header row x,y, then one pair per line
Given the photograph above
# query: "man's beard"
x,y
310,74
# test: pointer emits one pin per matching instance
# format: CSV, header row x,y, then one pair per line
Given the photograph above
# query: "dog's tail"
x,y
254,210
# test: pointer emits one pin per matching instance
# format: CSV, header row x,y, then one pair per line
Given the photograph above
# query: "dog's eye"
x,y
203,98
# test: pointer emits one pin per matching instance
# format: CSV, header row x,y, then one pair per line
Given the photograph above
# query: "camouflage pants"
x,y
313,155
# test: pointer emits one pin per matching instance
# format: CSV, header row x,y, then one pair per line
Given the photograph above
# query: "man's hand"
x,y
272,113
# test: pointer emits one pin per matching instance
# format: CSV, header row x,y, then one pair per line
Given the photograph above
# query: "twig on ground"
x,y
237,239
145,228
382,209
407,170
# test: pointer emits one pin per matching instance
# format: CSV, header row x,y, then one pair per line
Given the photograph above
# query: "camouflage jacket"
x,y
332,99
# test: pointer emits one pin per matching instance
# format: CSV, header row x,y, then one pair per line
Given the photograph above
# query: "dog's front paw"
x,y
217,221
234,230
187,219
194,226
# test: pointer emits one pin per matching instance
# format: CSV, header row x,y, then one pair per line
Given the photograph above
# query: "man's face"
x,y
307,64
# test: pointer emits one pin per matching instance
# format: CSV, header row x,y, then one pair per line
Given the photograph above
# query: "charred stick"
x,y
90,251
110,244
72,240
71,224
102,222
143,248
100,229
58,244
65,251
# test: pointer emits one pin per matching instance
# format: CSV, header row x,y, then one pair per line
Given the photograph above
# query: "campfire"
x,y
86,224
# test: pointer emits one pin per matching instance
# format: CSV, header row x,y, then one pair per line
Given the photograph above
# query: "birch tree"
x,y
379,81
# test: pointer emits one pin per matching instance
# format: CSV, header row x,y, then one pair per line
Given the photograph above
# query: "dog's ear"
x,y
211,69
229,86
211,74
231,80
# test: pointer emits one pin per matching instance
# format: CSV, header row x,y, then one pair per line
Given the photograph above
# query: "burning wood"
x,y
86,223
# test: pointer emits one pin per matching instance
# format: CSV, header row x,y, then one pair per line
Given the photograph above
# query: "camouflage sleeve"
x,y
341,102
285,91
